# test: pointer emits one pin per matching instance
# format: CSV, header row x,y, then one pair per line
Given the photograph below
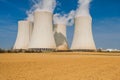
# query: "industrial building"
x,y
60,36
83,37
24,35
42,37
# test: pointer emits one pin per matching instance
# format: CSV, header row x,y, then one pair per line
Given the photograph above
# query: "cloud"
x,y
41,5
66,19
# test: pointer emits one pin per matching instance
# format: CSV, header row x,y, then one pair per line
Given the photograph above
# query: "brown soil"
x,y
65,66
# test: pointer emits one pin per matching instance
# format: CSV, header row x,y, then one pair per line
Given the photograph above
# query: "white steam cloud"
x,y
66,19
44,5
30,16
83,8
41,5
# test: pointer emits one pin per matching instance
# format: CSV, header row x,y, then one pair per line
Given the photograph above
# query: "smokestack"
x,y
61,21
60,36
83,38
24,34
42,37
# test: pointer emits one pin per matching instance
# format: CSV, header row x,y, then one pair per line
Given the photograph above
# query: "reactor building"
x,y
83,38
24,35
60,36
42,37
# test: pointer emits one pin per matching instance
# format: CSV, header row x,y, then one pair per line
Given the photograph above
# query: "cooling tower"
x,y
60,37
24,34
42,37
83,38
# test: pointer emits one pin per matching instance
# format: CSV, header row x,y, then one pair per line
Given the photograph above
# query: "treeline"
x,y
18,51
42,51
27,51
1,50
51,50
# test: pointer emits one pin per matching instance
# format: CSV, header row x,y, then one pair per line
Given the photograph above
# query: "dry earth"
x,y
65,66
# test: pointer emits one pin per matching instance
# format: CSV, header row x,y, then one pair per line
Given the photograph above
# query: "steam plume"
x,y
67,19
83,8
44,5
41,5
30,16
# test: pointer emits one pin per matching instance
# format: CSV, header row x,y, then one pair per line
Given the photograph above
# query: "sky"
x,y
105,14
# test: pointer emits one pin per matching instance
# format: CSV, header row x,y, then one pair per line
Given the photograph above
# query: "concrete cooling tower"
x,y
83,38
24,34
42,37
60,37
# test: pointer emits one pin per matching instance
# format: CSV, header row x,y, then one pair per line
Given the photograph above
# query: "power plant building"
x,y
83,38
60,36
42,37
46,36
24,35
